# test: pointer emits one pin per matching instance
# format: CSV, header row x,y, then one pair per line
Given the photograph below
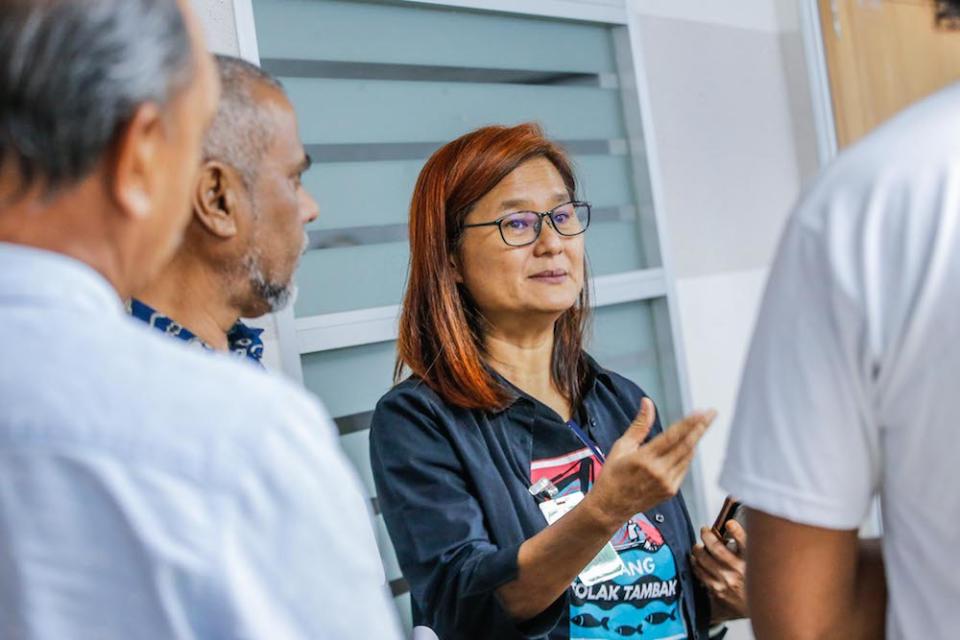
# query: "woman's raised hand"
x,y
639,475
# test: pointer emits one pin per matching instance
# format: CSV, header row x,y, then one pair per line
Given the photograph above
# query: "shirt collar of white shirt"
x,y
49,278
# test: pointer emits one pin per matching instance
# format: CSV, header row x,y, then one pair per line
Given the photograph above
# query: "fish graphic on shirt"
x,y
587,621
660,617
627,630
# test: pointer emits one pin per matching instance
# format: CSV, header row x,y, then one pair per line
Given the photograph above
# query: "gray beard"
x,y
276,295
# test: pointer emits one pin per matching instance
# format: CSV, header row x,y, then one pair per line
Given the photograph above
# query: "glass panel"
x,y
377,86
390,565
403,608
347,199
624,341
348,278
336,376
414,35
357,447
613,247
384,111
378,266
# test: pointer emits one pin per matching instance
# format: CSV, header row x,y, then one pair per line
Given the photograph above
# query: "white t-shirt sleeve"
x,y
804,446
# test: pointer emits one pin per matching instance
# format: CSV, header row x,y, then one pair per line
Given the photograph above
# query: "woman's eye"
x,y
560,218
517,225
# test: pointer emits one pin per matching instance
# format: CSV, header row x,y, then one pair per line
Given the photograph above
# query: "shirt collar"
x,y
594,373
54,279
242,341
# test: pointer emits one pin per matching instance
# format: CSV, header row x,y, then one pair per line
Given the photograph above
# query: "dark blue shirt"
x,y
242,341
453,486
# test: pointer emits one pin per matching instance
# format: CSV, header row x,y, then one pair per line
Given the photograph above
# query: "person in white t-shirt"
x,y
848,394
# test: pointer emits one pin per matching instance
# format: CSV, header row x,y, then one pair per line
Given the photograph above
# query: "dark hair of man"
x,y
239,134
73,73
948,13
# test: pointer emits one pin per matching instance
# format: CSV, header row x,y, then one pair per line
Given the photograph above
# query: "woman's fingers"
x,y
739,534
719,551
642,424
677,444
707,564
707,572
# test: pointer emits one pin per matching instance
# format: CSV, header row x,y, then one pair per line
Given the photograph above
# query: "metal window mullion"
x,y
610,12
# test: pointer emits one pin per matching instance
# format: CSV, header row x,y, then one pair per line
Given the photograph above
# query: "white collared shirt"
x,y
148,490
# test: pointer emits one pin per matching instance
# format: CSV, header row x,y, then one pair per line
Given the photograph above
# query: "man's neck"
x,y
74,224
196,297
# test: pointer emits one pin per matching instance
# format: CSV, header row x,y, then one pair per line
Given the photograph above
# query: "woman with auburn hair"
x,y
505,424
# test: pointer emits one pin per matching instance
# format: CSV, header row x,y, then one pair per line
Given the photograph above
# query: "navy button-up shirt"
x,y
453,489
242,341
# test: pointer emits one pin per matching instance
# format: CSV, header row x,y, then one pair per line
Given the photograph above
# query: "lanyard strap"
x,y
585,439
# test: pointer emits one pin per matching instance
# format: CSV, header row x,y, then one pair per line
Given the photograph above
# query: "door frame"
x,y
819,79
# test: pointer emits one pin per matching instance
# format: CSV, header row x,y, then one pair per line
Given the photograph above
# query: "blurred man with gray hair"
x,y
146,490
246,233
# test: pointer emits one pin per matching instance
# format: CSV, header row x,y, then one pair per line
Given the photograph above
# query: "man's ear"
x,y
215,198
135,170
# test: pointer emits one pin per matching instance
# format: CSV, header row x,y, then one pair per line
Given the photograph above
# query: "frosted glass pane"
x,y
349,278
375,111
350,380
613,247
402,603
624,341
367,32
390,565
605,180
357,447
353,194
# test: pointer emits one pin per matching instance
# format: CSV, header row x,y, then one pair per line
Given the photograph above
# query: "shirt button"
x,y
659,518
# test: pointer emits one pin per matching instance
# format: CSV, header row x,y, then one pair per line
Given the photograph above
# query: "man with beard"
x,y
246,234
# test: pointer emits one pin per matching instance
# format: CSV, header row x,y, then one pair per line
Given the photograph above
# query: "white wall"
x,y
735,140
219,25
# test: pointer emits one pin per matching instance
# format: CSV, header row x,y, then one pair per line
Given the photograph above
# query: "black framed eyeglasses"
x,y
521,228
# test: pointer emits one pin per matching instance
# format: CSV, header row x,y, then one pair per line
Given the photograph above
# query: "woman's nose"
x,y
549,240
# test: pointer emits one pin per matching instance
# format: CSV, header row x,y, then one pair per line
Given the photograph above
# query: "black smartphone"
x,y
730,511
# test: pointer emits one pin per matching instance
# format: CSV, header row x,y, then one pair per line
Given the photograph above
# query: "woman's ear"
x,y
457,272
214,199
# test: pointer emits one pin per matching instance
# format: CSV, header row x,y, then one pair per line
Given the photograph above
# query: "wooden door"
x,y
883,55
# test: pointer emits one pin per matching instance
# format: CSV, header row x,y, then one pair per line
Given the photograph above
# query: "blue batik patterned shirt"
x,y
242,341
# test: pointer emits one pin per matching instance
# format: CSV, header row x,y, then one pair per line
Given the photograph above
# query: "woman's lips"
x,y
554,276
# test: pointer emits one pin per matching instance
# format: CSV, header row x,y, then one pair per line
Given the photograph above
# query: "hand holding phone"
x,y
732,510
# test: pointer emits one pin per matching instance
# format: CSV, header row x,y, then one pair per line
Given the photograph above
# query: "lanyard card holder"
x,y
606,564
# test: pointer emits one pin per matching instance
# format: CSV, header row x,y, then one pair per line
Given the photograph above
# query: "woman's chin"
x,y
555,305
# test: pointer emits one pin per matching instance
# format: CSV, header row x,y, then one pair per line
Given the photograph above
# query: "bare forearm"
x,y
552,559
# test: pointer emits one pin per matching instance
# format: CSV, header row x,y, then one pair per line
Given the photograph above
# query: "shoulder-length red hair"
x,y
441,335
